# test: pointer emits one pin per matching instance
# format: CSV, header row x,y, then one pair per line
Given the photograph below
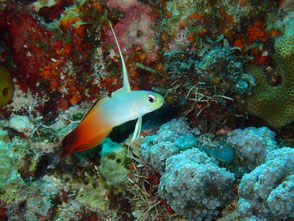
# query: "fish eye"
x,y
151,98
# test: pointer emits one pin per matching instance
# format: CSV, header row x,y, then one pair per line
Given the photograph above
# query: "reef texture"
x,y
58,57
275,104
195,186
6,86
172,137
267,193
252,145
113,160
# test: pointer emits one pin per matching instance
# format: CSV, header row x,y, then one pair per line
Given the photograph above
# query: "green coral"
x,y
113,160
275,104
6,163
8,169
6,86
93,197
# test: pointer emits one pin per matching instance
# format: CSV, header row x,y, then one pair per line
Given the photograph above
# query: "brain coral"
x,y
267,193
275,104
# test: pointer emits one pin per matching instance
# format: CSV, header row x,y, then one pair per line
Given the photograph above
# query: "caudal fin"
x,y
66,143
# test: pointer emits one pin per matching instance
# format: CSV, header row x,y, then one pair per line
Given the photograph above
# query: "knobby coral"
x,y
275,104
252,144
195,186
263,191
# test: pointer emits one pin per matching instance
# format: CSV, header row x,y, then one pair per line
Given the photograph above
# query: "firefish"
x,y
122,106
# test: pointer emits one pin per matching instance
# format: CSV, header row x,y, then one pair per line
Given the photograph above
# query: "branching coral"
x,y
275,104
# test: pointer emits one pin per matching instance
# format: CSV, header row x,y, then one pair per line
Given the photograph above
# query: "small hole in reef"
x,y
5,91
111,156
273,77
139,34
118,161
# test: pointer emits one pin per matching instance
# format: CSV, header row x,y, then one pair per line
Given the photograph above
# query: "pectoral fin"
x,y
137,131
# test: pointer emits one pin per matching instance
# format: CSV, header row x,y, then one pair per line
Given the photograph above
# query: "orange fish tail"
x,y
89,133
66,143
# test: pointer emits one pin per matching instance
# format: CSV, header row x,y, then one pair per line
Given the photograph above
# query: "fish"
x,y
122,106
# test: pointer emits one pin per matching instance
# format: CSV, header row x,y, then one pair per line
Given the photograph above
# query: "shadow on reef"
x,y
154,119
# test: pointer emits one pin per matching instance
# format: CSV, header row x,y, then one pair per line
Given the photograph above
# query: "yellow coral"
x,y
275,104
6,86
42,3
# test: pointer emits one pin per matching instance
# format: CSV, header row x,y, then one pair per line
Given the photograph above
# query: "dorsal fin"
x,y
126,84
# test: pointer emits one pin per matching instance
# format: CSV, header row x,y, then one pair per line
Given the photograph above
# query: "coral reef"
x,y
191,160
274,104
251,148
171,138
8,169
252,145
135,29
6,164
113,160
267,192
210,80
6,86
21,124
195,186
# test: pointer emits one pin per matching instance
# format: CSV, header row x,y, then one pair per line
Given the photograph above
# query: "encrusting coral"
x,y
113,157
275,104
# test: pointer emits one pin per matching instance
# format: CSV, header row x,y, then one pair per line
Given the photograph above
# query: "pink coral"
x,y
134,30
123,5
151,57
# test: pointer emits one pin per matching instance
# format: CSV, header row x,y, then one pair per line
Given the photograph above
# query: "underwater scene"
x,y
146,110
